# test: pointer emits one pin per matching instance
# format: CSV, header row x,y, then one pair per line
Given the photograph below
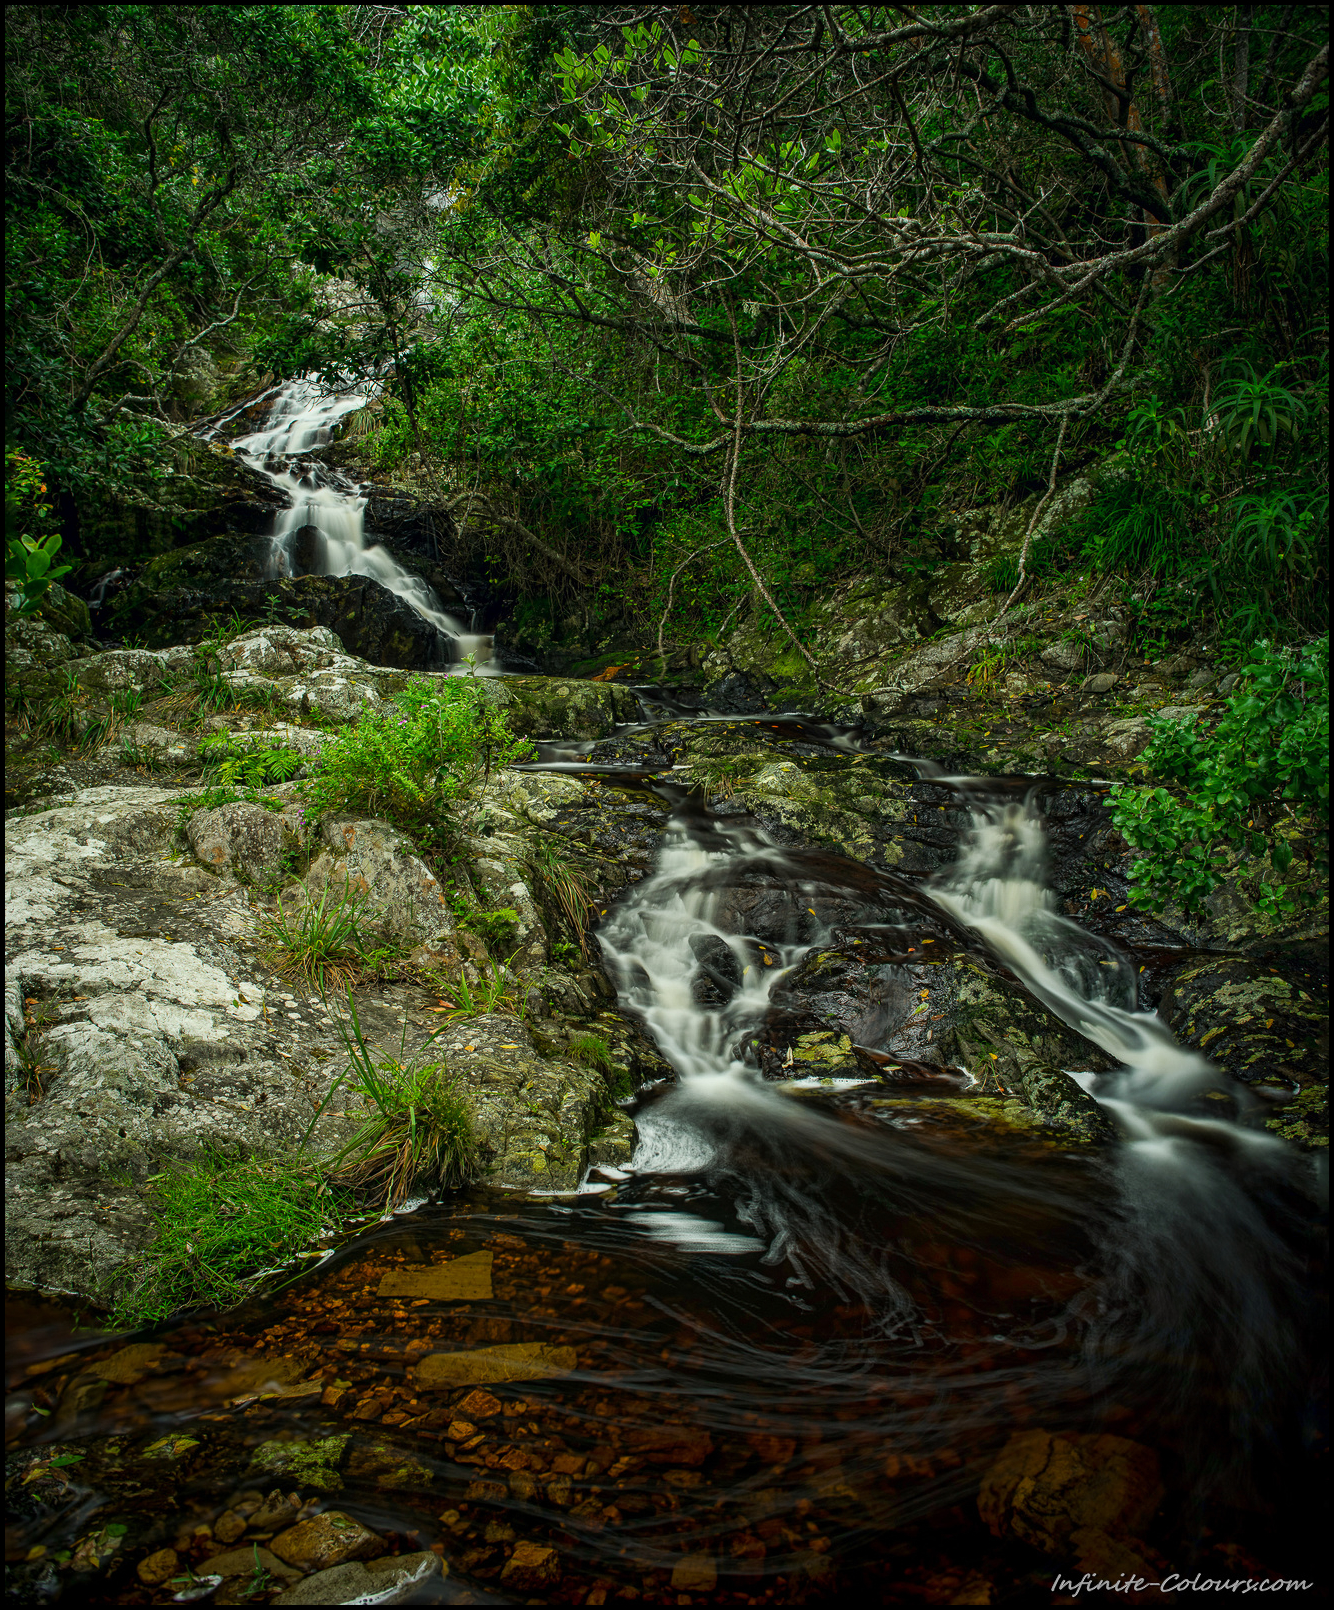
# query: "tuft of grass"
x,y
492,995
321,942
566,888
219,1221
418,1132
592,1050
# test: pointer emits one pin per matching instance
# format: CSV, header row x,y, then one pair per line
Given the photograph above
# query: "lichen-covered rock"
x,y
553,707
1265,1026
369,861
152,1038
535,1115
275,651
124,670
313,1464
248,839
159,746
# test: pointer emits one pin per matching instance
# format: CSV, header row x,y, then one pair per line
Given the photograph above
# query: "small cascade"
x,y
323,529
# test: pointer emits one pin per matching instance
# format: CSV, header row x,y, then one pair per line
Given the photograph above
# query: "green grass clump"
x,y
218,1222
418,1132
321,942
410,762
592,1050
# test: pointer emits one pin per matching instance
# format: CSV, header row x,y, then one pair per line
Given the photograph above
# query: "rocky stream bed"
x,y
866,1354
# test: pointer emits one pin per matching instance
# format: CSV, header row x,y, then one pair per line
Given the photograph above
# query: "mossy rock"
x,y
1264,1027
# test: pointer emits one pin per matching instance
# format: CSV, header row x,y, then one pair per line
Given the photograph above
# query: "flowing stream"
x,y
807,1317
301,420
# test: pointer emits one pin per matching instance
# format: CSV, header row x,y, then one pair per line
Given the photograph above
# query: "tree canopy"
x,y
681,307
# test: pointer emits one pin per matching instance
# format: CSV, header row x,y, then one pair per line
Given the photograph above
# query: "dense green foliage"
x,y
686,312
1248,785
410,762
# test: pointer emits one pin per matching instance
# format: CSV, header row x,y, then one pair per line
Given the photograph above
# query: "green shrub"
x,y
1266,759
219,1221
409,763
419,1130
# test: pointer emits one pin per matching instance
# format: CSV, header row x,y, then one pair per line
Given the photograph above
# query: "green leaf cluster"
x,y
1249,786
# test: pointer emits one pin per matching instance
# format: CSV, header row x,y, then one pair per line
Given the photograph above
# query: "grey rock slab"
x,y
154,1041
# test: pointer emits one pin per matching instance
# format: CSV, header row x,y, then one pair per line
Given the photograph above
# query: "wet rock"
x,y
1263,1026
466,1279
936,1009
229,1526
157,1568
479,1406
719,976
530,1568
130,1365
671,1444
388,1469
534,1114
697,1573
326,1540
392,1579
233,1564
1084,1497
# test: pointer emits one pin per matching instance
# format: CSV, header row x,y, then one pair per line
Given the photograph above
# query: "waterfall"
x,y
301,420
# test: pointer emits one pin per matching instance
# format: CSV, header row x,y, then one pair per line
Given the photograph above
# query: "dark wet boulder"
x,y
719,972
1266,1025
933,1013
179,597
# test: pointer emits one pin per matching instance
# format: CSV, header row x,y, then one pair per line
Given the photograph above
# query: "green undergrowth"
x,y
218,1221
232,758
1256,780
413,762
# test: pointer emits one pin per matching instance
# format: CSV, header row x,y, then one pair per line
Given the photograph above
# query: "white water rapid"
x,y
1192,1279
301,420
